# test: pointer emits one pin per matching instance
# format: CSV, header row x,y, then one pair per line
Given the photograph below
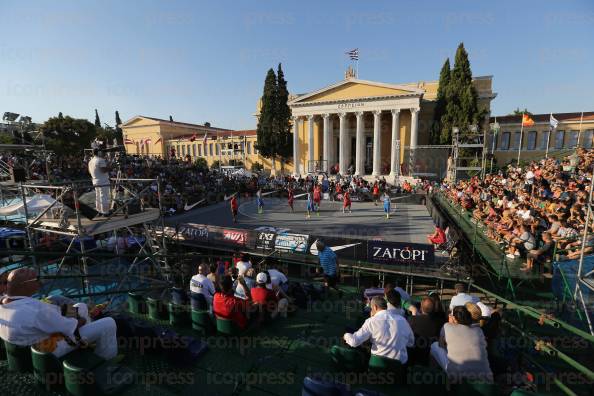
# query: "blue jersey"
x,y
387,203
328,261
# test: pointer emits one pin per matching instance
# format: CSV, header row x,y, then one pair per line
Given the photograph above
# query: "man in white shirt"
x,y
461,297
100,175
243,265
277,279
202,289
389,333
25,321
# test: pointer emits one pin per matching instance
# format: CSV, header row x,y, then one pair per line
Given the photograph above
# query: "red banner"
x,y
234,236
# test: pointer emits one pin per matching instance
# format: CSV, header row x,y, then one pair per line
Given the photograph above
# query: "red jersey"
x,y
230,307
317,195
262,295
375,190
234,203
346,200
291,197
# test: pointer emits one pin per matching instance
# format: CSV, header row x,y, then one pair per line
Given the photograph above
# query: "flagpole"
x,y
579,131
551,129
496,132
521,138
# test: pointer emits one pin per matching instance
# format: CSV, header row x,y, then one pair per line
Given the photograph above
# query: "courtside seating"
x,y
136,303
227,327
179,315
18,357
348,359
156,309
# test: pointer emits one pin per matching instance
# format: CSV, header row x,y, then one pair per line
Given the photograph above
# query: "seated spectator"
x,y
394,302
250,282
521,244
438,237
389,333
426,326
277,279
542,254
462,350
273,302
202,290
225,305
25,321
213,276
243,264
461,297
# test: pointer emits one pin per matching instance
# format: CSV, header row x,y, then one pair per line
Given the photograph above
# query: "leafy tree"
x,y
282,124
201,163
118,130
441,128
6,138
517,111
97,120
257,167
215,165
68,135
266,141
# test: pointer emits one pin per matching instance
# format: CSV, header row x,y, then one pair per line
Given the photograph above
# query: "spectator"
x,y
227,306
25,321
542,254
462,350
389,333
272,302
438,237
243,264
426,327
329,264
461,297
250,282
202,290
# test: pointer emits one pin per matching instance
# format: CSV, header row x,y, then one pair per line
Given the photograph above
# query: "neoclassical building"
x,y
365,125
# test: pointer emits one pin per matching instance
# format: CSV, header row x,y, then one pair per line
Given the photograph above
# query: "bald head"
x,y
22,282
427,305
203,269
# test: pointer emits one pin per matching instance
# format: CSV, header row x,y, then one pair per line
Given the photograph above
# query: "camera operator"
x,y
99,171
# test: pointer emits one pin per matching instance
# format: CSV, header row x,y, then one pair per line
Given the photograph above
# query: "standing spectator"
x,y
329,264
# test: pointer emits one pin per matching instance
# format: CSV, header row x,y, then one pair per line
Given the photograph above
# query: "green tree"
x,y
201,163
517,111
441,127
68,135
119,135
60,116
266,141
282,122
6,138
461,99
215,165
97,120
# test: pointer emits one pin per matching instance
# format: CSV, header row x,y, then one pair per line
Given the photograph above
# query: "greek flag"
x,y
553,122
353,54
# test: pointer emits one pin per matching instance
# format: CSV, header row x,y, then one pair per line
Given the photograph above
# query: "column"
x,y
414,135
360,146
342,162
377,145
296,159
310,145
395,157
327,141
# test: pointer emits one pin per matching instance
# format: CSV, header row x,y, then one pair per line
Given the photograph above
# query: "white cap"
x,y
261,278
485,310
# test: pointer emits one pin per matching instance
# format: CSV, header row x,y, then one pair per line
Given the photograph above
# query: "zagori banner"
x,y
193,232
380,252
297,243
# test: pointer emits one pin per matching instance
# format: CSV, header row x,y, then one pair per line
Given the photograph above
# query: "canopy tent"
x,y
36,203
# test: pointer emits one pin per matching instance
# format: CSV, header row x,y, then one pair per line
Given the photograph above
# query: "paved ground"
x,y
407,223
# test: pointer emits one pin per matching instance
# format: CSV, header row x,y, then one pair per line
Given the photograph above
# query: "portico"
x,y
355,126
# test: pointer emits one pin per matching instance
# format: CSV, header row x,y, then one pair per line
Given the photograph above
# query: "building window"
x,y
194,149
177,150
504,141
587,139
200,150
249,148
210,149
217,148
544,140
572,139
515,144
559,137
531,140
183,150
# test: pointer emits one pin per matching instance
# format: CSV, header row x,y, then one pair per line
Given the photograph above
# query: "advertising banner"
x,y
289,242
235,237
193,232
398,253
265,240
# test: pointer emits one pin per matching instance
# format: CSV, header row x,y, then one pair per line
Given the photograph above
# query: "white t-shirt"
x,y
98,176
277,277
27,321
242,267
200,284
462,298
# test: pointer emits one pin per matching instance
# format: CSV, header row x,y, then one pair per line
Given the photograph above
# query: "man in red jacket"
x,y
273,301
225,305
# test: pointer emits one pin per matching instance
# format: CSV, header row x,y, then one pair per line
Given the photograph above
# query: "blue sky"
x,y
206,60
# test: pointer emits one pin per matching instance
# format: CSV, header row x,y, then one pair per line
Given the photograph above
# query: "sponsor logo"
x,y
399,253
236,237
292,242
314,249
189,231
265,240
190,207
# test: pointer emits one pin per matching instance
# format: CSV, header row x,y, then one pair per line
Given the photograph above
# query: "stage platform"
x,y
97,226
408,222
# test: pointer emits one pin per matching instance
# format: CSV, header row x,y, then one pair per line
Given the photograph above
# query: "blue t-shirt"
x,y
328,261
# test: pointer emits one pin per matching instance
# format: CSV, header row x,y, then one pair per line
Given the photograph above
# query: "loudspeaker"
x,y
18,175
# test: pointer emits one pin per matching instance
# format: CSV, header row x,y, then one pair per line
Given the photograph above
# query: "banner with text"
x,y
398,253
288,242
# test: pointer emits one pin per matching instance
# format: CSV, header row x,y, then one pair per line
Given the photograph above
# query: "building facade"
x,y
533,142
366,126
157,137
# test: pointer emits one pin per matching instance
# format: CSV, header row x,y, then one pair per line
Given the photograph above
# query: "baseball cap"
x,y
261,278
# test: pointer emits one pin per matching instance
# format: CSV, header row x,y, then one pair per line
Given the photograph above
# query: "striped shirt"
x,y
328,261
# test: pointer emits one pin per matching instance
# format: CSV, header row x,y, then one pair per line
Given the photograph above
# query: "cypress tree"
x,y
60,116
441,129
265,130
97,121
119,134
284,146
463,105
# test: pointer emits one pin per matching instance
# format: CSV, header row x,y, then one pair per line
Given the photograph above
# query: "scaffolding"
x,y
69,222
469,154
